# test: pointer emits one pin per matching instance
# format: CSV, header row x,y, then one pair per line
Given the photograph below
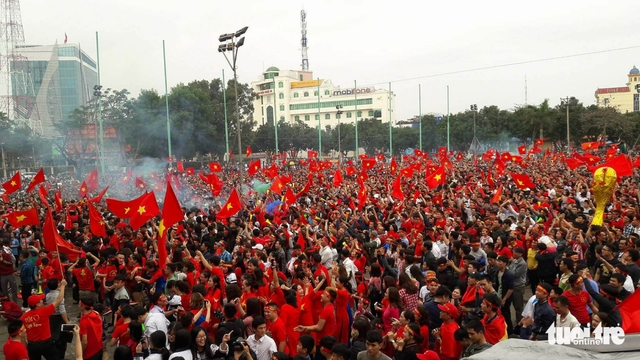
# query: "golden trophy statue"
x,y
604,182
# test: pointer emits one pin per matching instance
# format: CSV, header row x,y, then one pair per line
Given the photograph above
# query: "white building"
x,y
293,95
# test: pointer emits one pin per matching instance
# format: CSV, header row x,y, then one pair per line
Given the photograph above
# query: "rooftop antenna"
x,y
303,41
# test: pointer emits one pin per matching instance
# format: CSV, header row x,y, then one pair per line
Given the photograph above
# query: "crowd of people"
x,y
350,270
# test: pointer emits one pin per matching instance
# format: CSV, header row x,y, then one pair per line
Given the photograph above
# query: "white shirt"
x,y
351,271
264,348
327,257
155,322
528,309
628,285
435,249
186,354
569,321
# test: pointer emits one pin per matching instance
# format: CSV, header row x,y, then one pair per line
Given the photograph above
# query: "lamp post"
x,y
97,92
226,121
275,114
420,114
565,101
338,115
448,121
231,43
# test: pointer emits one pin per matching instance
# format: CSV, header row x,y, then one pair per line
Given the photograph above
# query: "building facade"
x,y
63,78
293,95
624,98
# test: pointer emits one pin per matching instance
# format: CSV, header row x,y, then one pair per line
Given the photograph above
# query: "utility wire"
x,y
510,64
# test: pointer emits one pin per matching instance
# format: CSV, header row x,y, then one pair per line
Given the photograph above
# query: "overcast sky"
x,y
373,42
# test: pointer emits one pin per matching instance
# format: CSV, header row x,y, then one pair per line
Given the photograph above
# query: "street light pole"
x,y
275,113
319,123
420,114
448,122
566,102
100,105
166,101
390,125
226,121
229,44
355,86
338,116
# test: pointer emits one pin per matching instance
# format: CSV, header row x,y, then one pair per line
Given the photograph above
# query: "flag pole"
x,y
100,105
166,100
420,114
275,114
390,125
319,123
355,85
448,118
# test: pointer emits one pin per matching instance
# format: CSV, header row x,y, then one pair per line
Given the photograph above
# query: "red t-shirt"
x,y
91,326
279,334
449,347
328,315
578,305
121,332
15,350
37,323
85,279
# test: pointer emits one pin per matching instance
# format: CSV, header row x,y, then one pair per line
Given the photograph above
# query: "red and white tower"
x,y
16,81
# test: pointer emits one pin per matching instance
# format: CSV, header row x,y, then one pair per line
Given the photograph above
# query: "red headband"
x,y
329,295
542,289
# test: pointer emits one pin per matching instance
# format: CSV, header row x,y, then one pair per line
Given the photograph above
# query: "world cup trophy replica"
x,y
604,182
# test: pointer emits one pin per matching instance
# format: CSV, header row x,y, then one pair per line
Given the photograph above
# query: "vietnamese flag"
x,y
621,164
277,186
522,149
539,142
124,209
393,166
171,214
442,150
573,163
191,171
145,210
396,189
362,194
43,196
337,178
58,200
98,198
630,312
254,167
231,207
459,156
407,172
21,218
180,167
496,197
272,171
54,242
14,184
82,192
368,164
436,178
590,145
350,170
96,222
249,152
289,197
523,181
140,184
215,166
127,178
92,180
302,241
37,179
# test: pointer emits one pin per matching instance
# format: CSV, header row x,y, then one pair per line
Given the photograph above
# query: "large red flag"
x,y
393,166
249,152
522,149
277,186
96,222
523,181
621,164
37,179
92,180
573,163
127,177
14,184
146,209
231,207
58,199
368,164
254,167
43,196
180,167
140,184
289,197
22,218
436,178
54,242
171,214
396,190
496,197
124,209
337,178
82,192
215,166
630,312
302,241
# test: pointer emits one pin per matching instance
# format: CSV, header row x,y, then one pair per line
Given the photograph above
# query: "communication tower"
x,y
19,101
303,41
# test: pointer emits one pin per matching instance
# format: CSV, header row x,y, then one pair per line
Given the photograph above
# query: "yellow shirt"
x,y
532,263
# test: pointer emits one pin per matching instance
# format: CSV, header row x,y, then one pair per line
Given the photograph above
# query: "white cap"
x,y
258,247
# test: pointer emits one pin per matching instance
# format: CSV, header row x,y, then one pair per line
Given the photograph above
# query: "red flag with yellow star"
x,y
14,184
393,166
39,178
124,209
92,180
523,181
254,167
96,222
215,167
126,178
249,152
98,198
54,242
289,197
396,190
43,196
231,207
58,198
277,186
82,192
337,178
146,209
436,178
140,184
171,214
22,218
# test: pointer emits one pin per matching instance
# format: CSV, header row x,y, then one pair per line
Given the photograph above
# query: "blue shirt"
x,y
15,245
27,272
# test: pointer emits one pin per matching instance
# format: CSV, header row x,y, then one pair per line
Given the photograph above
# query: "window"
x,y
281,107
300,77
307,117
317,117
327,116
295,95
326,92
329,104
281,118
281,96
359,113
280,84
338,116
636,102
270,115
370,113
315,93
306,94
348,115
297,118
